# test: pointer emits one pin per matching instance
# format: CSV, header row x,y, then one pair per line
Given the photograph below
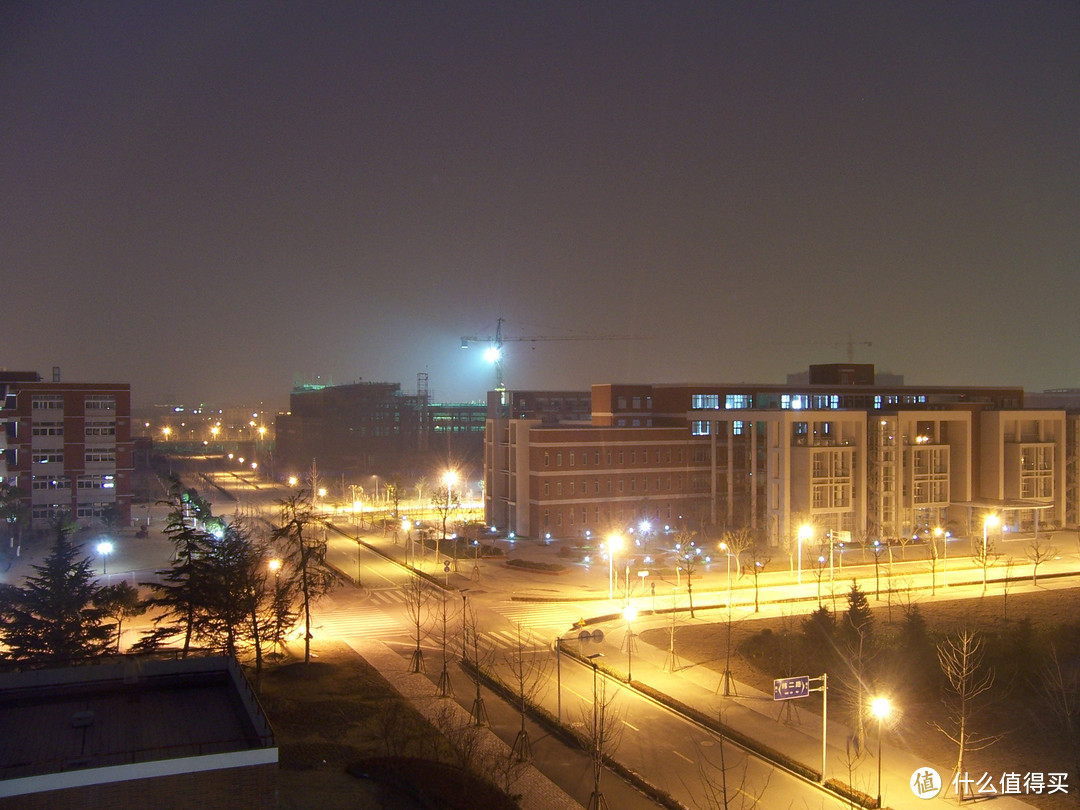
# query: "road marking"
x,y
680,756
635,728
574,691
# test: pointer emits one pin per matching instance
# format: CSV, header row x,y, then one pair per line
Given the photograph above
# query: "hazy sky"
x,y
211,200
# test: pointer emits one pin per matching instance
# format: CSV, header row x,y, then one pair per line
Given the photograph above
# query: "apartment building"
x,y
67,447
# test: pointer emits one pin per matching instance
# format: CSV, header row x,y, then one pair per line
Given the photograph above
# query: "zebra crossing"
x,y
557,616
342,622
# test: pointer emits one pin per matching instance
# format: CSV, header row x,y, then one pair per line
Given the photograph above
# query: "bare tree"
x,y
1006,586
984,555
417,607
529,677
686,560
446,501
1059,687
961,660
603,730
723,781
932,557
1039,551
759,558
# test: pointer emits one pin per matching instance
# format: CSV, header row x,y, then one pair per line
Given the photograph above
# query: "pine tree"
x,y
182,591
54,616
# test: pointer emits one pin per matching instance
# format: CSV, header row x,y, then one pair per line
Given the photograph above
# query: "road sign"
x,y
789,688
446,567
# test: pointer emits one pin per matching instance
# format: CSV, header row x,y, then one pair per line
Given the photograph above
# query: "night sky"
x,y
212,200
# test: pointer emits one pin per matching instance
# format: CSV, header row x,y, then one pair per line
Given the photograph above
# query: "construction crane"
x,y
494,351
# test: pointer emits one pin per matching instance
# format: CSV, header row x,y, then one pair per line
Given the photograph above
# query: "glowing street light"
x,y
104,548
614,544
880,707
806,531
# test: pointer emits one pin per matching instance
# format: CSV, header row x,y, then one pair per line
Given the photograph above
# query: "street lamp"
x,y
806,531
880,708
105,549
614,543
629,613
940,532
988,522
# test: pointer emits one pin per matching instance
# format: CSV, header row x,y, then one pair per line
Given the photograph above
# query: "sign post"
x,y
798,686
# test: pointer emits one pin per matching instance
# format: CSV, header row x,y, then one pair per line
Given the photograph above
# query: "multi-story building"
x,y
840,452
67,447
373,428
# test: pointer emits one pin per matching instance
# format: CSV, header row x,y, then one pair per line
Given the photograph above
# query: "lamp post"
x,y
614,543
880,707
629,613
805,533
988,521
104,548
275,566
940,532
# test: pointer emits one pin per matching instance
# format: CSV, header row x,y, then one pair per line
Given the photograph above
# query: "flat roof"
x,y
101,715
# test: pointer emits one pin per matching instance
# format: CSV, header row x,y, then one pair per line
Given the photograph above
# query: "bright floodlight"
x,y
274,565
105,548
492,355
991,521
629,613
644,526
614,543
806,532
449,478
880,707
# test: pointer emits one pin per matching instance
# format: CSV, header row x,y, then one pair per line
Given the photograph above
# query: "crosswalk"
x,y
343,622
544,616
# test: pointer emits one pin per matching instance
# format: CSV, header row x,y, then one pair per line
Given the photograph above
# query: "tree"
x,y
417,598
1039,551
603,730
725,783
759,558
446,502
54,616
12,511
120,601
984,555
528,678
1059,687
304,556
961,660
687,561
181,591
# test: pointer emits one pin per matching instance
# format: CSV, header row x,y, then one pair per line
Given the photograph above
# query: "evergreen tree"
x,y
120,601
182,592
859,618
304,556
54,616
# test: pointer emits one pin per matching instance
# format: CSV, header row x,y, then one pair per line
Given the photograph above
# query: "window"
x,y
100,456
621,458
48,429
596,458
47,402
737,427
635,403
620,485
732,401
100,428
596,486
571,487
699,427
702,401
633,456
573,459
558,459
48,457
609,458
51,482
547,459
100,402
622,403
558,488
547,488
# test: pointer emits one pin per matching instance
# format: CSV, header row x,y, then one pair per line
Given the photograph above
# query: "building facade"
x,y
372,428
842,453
67,447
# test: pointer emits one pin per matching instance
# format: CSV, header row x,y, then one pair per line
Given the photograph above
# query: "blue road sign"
x,y
789,688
